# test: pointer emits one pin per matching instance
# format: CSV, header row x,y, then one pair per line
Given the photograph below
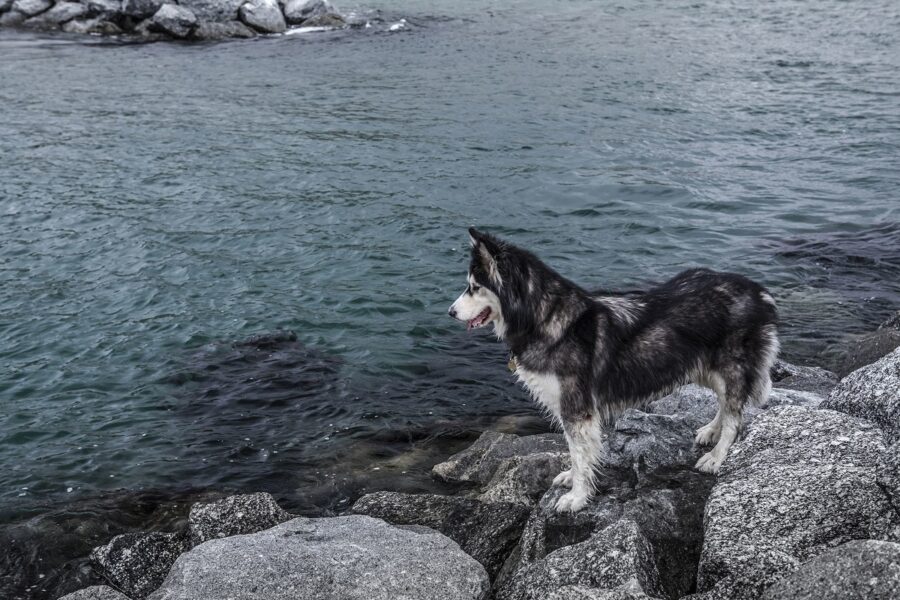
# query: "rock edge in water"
x,y
152,20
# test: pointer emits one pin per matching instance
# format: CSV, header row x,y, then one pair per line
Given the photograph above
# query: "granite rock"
x,y
873,393
174,20
340,558
137,563
478,463
857,570
263,15
96,592
485,531
234,515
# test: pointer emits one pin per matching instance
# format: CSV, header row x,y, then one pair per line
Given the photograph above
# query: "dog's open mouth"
x,y
479,320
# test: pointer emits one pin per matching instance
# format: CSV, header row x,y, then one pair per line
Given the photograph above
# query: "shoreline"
x,y
500,513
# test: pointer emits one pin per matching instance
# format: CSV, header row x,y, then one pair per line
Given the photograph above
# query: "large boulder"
x,y
298,11
137,563
61,13
340,558
873,393
174,20
647,441
215,11
234,515
666,506
803,480
485,531
263,15
524,479
858,570
809,379
141,9
96,592
478,463
613,557
29,8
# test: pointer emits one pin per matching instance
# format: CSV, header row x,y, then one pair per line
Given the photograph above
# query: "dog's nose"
x,y
452,312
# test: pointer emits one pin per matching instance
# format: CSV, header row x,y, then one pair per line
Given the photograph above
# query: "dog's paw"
x,y
709,463
707,435
564,479
571,502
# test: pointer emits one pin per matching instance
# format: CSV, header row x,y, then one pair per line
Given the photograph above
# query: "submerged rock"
x,y
221,31
96,25
340,558
615,556
263,15
234,515
137,563
873,393
802,481
175,20
479,462
485,531
857,570
96,592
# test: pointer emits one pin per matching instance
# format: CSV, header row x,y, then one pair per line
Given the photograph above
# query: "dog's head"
x,y
480,303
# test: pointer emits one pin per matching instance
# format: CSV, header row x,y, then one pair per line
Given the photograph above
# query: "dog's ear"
x,y
487,249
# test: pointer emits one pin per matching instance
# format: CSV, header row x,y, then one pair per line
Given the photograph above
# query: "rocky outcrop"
x,y
802,481
858,570
150,20
353,557
867,348
485,531
96,592
137,563
612,557
263,15
873,393
234,515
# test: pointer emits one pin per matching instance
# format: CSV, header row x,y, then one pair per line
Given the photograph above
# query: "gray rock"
x,y
329,20
891,323
480,462
137,563
141,9
858,570
862,350
808,379
524,479
221,31
5,5
12,18
647,441
215,11
485,531
95,592
340,558
97,25
297,11
888,475
667,506
803,480
608,559
174,20
629,591
104,7
263,15
29,8
61,13
690,401
235,515
872,392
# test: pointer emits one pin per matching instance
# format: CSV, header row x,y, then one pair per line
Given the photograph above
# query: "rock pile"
x,y
807,505
151,20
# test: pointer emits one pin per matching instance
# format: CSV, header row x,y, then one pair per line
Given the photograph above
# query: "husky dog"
x,y
587,356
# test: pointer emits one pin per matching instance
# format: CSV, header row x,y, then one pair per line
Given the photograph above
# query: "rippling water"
x,y
160,204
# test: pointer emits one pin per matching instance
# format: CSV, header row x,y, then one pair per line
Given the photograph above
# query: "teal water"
x,y
160,203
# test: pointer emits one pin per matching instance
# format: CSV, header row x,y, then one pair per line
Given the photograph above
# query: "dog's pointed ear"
x,y
488,250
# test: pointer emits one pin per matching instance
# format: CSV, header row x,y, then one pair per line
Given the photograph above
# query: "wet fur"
x,y
587,356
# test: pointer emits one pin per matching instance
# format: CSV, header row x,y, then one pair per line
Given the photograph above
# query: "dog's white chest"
x,y
544,388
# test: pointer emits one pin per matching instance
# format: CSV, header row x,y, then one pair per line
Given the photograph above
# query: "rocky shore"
x,y
152,20
807,506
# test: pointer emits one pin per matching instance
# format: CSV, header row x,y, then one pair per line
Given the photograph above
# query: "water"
x,y
161,203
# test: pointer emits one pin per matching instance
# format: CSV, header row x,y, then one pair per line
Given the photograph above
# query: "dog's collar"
x,y
513,364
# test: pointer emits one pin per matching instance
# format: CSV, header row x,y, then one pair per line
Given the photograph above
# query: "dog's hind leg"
x,y
584,438
709,433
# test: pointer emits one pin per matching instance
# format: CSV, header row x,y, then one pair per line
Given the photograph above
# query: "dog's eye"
x,y
475,288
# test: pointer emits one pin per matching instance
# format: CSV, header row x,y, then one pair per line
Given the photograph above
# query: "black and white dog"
x,y
587,356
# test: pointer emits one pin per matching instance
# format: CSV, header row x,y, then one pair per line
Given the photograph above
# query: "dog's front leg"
x,y
584,438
